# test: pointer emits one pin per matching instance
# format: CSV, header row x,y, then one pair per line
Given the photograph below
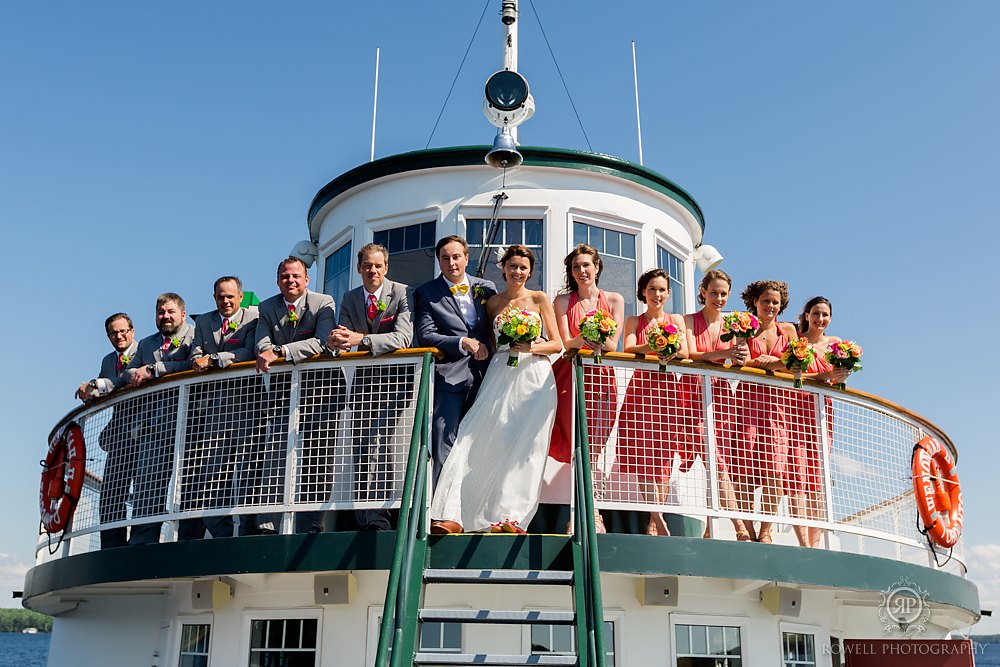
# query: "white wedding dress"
x,y
494,471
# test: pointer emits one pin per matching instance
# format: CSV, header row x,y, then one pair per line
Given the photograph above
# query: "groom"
x,y
450,314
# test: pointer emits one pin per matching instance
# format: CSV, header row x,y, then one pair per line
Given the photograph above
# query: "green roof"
x,y
534,156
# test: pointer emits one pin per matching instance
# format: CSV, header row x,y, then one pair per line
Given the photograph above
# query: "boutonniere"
x,y
125,360
175,342
232,326
479,292
293,316
381,306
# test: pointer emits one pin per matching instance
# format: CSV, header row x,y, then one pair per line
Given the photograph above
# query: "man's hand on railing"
x,y
139,375
265,359
201,363
86,392
343,339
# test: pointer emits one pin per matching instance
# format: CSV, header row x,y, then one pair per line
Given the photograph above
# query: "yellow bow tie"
x,y
460,289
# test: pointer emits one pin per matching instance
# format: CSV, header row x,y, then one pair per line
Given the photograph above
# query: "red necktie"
x,y
225,325
372,307
119,364
166,344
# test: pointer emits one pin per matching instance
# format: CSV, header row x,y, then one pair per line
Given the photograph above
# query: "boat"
x,y
549,597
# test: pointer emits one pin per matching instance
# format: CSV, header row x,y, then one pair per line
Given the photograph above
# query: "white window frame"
x,y
174,655
543,213
742,622
615,616
819,635
268,614
839,636
684,257
375,624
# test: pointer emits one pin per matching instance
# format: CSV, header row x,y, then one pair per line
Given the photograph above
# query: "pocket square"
x,y
233,341
307,332
384,320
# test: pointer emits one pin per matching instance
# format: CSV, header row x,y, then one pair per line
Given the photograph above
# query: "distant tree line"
x,y
15,620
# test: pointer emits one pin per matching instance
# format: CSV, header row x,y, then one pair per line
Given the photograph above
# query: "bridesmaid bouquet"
x,y
663,338
738,325
797,356
598,326
847,355
517,325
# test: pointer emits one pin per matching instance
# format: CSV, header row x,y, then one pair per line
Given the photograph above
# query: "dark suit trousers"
x,y
154,464
119,467
449,409
377,398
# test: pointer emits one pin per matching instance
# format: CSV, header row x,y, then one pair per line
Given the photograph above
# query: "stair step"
x,y
488,659
498,577
493,616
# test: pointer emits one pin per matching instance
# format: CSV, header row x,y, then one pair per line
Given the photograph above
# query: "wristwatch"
x,y
151,369
215,358
92,384
366,341
278,350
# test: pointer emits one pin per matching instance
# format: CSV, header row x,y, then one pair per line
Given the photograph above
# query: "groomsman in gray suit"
x,y
121,333
158,355
215,430
375,318
294,326
450,314
117,437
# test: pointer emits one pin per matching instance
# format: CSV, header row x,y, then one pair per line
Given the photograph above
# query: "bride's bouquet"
x,y
598,326
517,325
664,338
738,325
847,355
797,356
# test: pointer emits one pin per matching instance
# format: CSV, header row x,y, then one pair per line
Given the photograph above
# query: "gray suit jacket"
x,y
439,323
111,377
302,339
392,328
234,345
172,360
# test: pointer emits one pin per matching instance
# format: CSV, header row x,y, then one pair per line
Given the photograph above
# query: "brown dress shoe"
x,y
445,527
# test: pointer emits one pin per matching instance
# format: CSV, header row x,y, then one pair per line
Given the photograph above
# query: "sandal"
x,y
509,526
496,527
743,536
764,538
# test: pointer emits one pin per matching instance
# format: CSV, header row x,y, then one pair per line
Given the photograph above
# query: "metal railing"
x,y
696,441
327,434
823,465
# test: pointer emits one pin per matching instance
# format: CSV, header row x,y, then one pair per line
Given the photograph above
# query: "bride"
x,y
493,475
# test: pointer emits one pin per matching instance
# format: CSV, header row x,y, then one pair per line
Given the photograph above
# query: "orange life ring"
x,y
62,478
938,492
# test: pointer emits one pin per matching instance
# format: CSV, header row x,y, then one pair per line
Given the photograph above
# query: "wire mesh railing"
x,y
323,435
826,467
235,450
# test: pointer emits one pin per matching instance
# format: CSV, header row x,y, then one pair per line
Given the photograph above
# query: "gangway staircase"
x,y
413,571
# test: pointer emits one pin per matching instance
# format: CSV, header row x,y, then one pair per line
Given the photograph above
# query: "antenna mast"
x,y
508,14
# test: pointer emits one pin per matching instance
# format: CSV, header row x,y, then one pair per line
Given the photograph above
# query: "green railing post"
x,y
586,493
418,443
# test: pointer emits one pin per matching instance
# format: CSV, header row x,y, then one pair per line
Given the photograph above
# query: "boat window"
x,y
283,641
708,645
798,649
337,273
441,637
618,255
195,641
561,640
411,252
674,267
525,232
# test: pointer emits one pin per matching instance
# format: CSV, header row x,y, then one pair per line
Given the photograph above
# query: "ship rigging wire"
x,y
561,77
457,74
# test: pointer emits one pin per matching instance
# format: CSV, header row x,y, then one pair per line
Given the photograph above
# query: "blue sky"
x,y
849,148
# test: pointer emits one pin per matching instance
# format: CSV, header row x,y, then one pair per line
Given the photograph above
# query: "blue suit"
x,y
439,323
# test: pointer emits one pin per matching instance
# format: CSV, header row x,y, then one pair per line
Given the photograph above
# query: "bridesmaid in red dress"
x,y
704,343
804,479
656,416
764,454
583,271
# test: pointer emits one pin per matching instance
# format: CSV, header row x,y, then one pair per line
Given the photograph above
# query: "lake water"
x,y
19,650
